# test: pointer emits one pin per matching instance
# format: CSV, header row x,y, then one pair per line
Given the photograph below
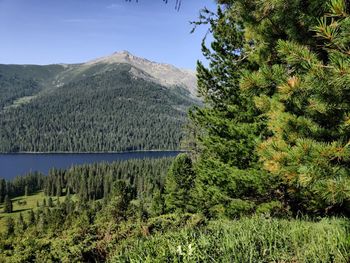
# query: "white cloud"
x,y
114,6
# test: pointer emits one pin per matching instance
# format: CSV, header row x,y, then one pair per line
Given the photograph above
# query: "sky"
x,y
73,31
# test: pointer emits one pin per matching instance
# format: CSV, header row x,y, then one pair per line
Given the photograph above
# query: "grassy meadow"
x,y
23,204
255,239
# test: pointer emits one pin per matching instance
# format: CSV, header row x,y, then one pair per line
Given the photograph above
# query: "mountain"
x,y
115,103
164,74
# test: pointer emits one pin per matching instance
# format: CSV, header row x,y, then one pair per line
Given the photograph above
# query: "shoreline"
x,y
108,152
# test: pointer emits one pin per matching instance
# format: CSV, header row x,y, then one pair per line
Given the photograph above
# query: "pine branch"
x,y
177,3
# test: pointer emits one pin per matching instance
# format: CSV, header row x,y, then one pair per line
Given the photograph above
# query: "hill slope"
x,y
104,105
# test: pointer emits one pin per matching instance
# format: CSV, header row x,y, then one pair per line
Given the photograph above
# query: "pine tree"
x,y
8,207
21,224
10,226
250,59
308,116
83,191
58,188
2,190
49,202
31,217
179,184
119,204
158,203
68,196
42,221
107,185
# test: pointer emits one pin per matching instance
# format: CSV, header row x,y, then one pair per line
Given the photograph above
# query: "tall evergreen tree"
x,y
8,207
158,204
10,226
31,217
83,192
2,190
179,184
123,193
257,119
308,116
58,188
49,202
21,224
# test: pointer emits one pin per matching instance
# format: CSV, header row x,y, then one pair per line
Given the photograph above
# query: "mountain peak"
x,y
165,74
123,56
122,53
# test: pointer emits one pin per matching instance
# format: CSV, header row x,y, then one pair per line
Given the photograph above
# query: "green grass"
x,y
20,101
31,203
245,240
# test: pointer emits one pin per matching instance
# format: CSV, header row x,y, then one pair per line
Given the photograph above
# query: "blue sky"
x,y
72,31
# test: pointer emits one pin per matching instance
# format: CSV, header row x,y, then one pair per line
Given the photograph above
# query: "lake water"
x,y
12,165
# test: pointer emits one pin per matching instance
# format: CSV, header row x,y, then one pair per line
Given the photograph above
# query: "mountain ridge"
x,y
161,73
90,107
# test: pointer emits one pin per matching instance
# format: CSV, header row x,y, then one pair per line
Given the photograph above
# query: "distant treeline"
x,y
21,185
93,181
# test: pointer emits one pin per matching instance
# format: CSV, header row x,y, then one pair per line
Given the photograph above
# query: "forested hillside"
x,y
23,81
81,108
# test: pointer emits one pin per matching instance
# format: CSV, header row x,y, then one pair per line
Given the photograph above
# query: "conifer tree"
x,y
58,188
26,190
68,196
10,226
42,221
308,116
2,190
68,202
31,217
158,203
119,204
179,184
83,191
259,50
21,224
107,184
8,207
49,202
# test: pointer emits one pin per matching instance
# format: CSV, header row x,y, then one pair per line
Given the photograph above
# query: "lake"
x,y
12,165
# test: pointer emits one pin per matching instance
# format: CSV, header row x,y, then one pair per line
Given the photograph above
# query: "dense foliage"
x,y
127,224
105,194
270,143
308,115
92,182
274,126
110,110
